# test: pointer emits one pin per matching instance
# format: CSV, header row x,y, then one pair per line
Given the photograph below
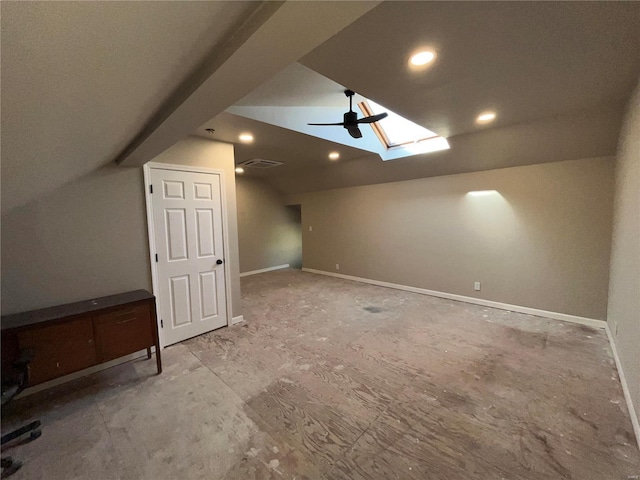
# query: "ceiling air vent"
x,y
260,163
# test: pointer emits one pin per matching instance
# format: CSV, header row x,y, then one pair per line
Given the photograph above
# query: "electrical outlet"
x,y
337,266
476,286
310,228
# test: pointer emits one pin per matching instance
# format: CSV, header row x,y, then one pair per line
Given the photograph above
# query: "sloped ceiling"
x,y
527,60
88,83
80,78
558,74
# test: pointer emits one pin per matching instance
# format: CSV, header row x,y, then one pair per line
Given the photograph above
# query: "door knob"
x,y
219,261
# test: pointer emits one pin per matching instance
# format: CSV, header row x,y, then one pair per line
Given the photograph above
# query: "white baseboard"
x,y
591,322
87,371
625,387
238,319
264,270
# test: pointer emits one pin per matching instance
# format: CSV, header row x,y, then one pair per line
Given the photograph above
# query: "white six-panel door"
x,y
187,224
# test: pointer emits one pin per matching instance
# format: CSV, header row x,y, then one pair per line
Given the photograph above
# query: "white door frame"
x,y
146,169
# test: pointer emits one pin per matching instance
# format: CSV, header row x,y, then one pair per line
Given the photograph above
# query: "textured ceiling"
x,y
295,150
558,74
526,60
80,78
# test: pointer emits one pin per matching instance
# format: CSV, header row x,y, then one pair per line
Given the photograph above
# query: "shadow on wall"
x,y
294,212
269,233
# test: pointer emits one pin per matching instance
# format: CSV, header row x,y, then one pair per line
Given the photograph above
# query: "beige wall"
x,y
268,231
199,152
89,237
86,239
624,289
543,242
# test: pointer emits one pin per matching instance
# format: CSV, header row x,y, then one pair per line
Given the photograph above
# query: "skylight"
x,y
315,99
395,131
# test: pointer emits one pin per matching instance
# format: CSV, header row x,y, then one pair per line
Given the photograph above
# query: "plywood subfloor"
x,y
334,379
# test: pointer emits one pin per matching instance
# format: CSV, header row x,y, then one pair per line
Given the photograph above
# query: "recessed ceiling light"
x,y
245,138
239,170
486,117
422,58
334,156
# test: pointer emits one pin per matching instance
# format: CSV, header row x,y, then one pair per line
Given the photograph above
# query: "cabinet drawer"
x,y
62,348
124,331
124,314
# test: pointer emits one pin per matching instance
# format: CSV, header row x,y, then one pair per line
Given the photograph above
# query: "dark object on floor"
x,y
373,309
13,383
9,466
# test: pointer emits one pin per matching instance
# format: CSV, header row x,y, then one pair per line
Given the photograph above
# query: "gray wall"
x,y
268,232
89,237
86,239
624,288
543,242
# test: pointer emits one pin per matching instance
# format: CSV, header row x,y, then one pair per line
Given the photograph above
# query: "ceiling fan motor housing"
x,y
350,118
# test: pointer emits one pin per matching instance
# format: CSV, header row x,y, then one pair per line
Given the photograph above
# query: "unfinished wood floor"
x,y
334,379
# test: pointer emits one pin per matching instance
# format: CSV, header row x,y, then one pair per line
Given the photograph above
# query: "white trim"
x,y
263,270
150,231
591,322
142,354
183,168
625,387
146,171
236,320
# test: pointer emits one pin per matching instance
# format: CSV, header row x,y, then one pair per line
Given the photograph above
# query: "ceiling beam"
x,y
276,35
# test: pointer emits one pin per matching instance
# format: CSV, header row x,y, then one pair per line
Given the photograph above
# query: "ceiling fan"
x,y
351,120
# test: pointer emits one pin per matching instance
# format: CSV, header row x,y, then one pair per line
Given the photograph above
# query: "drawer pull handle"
x,y
122,314
126,321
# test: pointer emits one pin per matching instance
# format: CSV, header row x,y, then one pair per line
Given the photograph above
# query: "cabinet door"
x,y
60,349
125,330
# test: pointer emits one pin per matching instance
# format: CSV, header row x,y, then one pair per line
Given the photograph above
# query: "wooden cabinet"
x,y
123,331
62,348
72,337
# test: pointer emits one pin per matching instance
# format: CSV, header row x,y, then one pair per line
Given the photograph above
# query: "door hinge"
x,y
150,188
161,323
156,258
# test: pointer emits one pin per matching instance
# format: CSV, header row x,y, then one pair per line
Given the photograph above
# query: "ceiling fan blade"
x,y
373,118
351,121
355,132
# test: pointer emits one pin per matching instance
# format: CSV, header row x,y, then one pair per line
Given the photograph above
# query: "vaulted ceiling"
x,y
558,74
79,78
87,83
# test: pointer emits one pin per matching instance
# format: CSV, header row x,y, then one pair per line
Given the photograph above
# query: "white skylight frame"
x,y
396,132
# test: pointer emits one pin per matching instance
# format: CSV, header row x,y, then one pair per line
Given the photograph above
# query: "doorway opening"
x,y
294,237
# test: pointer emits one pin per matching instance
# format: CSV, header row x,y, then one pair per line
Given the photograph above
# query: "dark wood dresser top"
x,y
24,319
